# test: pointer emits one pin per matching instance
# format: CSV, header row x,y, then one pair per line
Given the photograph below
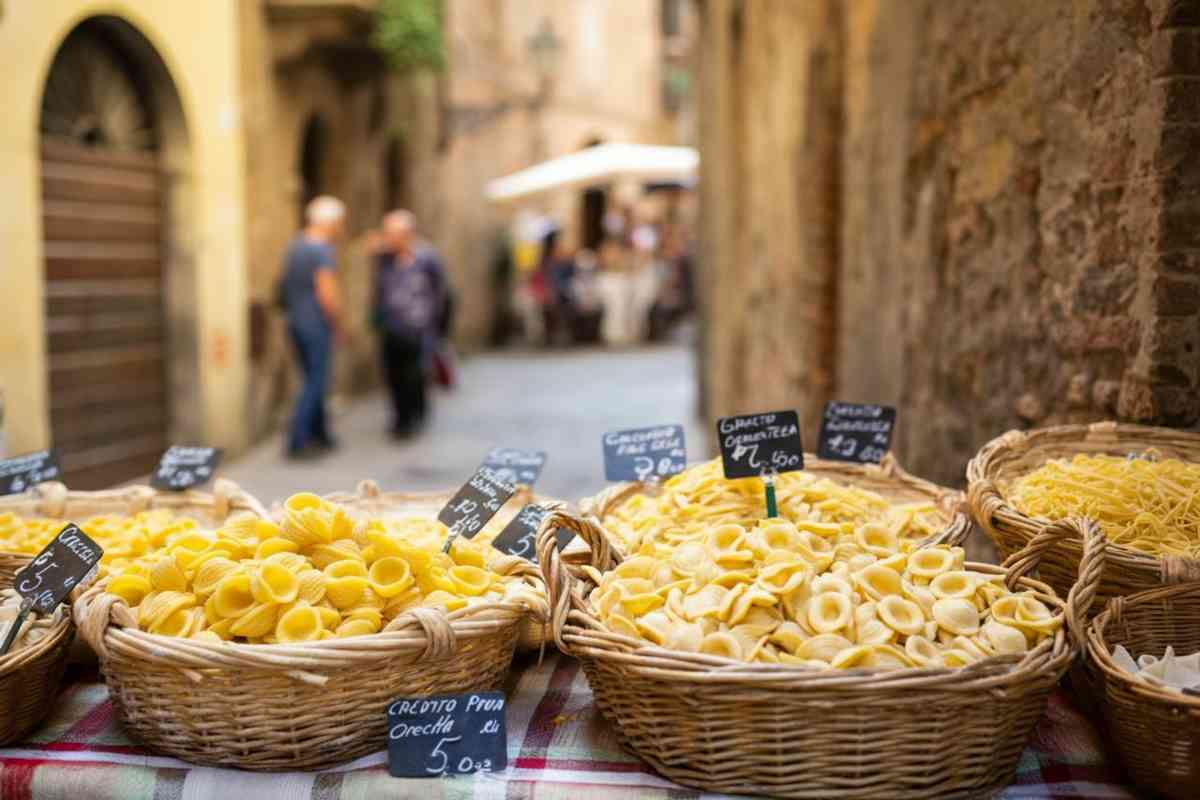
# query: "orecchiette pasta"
x,y
835,581
33,629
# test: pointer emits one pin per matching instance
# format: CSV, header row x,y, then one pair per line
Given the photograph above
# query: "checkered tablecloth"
x,y
558,747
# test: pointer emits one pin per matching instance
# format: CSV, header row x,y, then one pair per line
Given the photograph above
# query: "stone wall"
x,y
1006,210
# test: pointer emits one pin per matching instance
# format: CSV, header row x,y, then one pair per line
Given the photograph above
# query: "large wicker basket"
x,y
30,677
278,706
723,725
55,501
1016,453
1156,731
369,500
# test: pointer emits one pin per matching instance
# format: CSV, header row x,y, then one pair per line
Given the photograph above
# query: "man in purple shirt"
x,y
410,286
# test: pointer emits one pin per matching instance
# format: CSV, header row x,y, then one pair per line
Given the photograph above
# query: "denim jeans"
x,y
312,343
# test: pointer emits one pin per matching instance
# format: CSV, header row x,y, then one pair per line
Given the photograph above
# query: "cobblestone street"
x,y
561,402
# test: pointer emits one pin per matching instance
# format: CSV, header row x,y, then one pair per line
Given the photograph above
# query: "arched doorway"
x,y
105,205
313,145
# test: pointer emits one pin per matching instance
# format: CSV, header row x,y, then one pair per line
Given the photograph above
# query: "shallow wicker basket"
x,y
303,706
369,499
1017,453
30,677
1156,731
723,725
56,501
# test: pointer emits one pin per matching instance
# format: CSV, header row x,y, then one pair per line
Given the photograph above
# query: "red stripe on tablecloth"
x,y
92,723
540,732
577,765
16,778
87,747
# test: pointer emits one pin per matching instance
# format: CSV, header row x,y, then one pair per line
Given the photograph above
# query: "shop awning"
x,y
603,163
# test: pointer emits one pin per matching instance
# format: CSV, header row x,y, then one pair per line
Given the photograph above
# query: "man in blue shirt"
x,y
310,295
410,286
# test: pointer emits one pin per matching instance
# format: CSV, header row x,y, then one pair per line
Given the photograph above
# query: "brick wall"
x,y
1015,207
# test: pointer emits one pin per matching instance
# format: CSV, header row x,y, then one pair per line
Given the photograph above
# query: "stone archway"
x,y
120,327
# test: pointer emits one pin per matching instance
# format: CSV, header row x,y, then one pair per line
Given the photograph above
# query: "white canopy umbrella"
x,y
600,164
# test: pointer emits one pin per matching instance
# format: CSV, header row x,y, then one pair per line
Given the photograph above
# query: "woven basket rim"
x,y
572,622
1099,653
990,505
28,657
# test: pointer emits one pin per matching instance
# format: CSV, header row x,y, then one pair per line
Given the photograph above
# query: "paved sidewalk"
x,y
561,402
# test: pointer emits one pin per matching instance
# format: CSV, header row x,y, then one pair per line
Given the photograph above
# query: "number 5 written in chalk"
x,y
438,751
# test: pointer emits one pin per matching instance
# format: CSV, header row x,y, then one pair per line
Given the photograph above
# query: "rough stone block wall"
x,y
1018,212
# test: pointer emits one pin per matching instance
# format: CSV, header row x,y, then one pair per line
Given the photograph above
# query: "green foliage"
x,y
409,34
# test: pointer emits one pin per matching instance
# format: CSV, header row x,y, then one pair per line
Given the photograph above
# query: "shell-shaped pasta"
x,y
752,597
685,636
749,640
471,581
1003,639
221,628
206,636
157,606
371,615
856,656
922,652
704,603
919,595
346,591
831,583
177,623
877,581
233,596
637,567
873,631
654,627
440,597
957,658
731,578
301,623
349,567
929,562
1032,612
688,558
312,586
166,576
330,618
210,573
795,603
355,627
784,577
639,604
290,561
901,615
729,601
829,612
130,588
815,549
864,613
274,583
896,561
623,625
664,576
780,534
276,544
721,644
1004,610
392,575
789,636
258,621
954,583
957,616
876,539
859,561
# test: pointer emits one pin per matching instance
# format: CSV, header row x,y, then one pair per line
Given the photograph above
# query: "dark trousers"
x,y
312,344
404,370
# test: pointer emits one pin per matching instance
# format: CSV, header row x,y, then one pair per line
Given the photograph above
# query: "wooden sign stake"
x,y
26,604
769,486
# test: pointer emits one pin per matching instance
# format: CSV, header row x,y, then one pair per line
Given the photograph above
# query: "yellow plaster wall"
x,y
198,43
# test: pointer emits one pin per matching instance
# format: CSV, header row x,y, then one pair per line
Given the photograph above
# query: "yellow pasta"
x,y
836,581
1149,504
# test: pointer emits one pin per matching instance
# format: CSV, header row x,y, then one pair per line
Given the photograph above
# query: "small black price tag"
x,y
642,453
856,432
475,503
69,560
19,473
453,734
760,444
183,467
519,537
516,466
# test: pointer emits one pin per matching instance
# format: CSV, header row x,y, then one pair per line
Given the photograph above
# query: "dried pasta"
x,y
836,581
317,575
123,538
33,630
1148,504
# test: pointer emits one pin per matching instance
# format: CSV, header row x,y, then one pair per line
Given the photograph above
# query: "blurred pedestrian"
x,y
309,294
410,298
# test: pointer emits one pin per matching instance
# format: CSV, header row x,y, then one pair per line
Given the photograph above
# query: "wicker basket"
x,y
723,725
369,499
1017,453
309,706
56,501
1155,731
30,677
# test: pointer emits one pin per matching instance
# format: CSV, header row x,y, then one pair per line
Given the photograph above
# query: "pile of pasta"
x,y
35,627
318,575
1149,504
123,538
837,580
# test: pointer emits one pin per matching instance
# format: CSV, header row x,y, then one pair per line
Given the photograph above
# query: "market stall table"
x,y
558,747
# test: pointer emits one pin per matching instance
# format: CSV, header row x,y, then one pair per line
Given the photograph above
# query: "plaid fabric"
x,y
558,748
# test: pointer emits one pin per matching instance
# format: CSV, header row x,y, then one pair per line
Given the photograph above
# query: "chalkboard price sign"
x,y
856,432
475,503
753,445
519,537
455,734
20,473
639,454
68,561
183,467
516,466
